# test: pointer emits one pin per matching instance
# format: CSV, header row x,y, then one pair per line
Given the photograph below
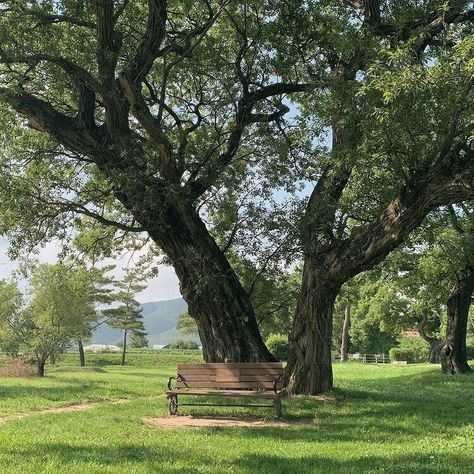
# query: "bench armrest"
x,y
169,382
178,377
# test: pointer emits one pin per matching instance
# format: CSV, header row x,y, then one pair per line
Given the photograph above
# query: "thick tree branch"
x,y
448,182
47,18
149,48
43,117
244,117
73,70
151,125
106,49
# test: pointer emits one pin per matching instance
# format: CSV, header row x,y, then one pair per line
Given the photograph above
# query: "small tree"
x,y
12,322
138,341
127,317
59,311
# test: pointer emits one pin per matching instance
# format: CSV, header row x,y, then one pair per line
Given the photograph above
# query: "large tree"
x,y
139,111
398,105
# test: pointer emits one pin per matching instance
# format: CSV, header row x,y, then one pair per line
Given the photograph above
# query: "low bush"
x,y
278,345
470,347
411,349
183,344
17,367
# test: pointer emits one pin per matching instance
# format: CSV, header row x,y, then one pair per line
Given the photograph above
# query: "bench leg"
x,y
173,405
277,408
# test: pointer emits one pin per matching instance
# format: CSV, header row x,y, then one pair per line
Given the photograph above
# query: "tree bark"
x,y
82,356
40,367
309,368
124,348
345,333
436,345
454,352
331,261
216,300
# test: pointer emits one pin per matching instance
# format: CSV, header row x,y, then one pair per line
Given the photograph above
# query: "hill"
x,y
160,319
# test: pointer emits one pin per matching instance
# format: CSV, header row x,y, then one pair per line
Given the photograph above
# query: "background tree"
x,y
93,288
60,311
141,112
127,317
138,341
13,323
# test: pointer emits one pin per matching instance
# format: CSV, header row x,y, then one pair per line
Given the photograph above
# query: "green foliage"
x,y
186,325
127,317
62,309
138,341
375,313
12,318
278,345
411,349
183,344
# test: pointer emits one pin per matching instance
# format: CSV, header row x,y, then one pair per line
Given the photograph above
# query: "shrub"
x,y
17,367
411,349
470,347
278,345
183,344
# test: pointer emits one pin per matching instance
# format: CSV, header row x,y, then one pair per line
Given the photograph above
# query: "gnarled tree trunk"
x,y
454,353
309,368
216,300
345,333
436,345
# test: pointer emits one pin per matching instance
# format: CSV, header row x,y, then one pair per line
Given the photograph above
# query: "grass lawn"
x,y
385,419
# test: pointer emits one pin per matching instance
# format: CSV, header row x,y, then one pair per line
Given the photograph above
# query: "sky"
x,y
163,287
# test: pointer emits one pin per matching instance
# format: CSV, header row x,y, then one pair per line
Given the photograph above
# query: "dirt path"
x,y
64,409
188,421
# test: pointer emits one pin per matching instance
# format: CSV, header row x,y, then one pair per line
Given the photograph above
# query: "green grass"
x,y
385,419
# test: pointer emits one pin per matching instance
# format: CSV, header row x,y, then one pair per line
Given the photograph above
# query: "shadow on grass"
x,y
410,405
180,460
321,464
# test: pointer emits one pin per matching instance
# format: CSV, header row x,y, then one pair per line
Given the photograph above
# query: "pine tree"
x,y
127,317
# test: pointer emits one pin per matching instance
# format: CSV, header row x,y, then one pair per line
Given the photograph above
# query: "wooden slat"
x,y
274,372
224,385
243,376
227,374
196,370
250,365
225,393
200,384
199,377
257,378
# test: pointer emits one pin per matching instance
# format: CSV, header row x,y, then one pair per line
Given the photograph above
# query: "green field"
x,y
384,419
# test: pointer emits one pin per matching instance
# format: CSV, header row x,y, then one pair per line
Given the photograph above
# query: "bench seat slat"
x,y
243,365
225,393
199,377
230,384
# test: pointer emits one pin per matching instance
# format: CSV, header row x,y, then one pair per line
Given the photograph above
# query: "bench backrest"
x,y
244,376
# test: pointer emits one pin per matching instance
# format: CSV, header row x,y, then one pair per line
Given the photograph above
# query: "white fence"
x,y
368,358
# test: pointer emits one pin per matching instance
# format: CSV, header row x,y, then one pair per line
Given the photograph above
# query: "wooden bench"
x,y
260,380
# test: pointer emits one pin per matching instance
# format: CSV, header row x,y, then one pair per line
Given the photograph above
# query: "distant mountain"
x,y
160,319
